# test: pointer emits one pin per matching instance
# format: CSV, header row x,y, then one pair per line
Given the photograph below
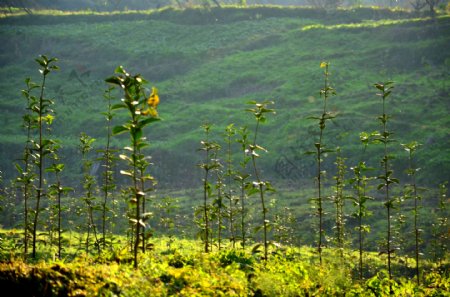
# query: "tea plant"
x,y
209,164
218,205
166,209
412,191
108,159
339,200
42,114
142,111
360,182
320,152
26,173
89,186
241,177
440,228
259,186
387,180
283,226
230,131
58,190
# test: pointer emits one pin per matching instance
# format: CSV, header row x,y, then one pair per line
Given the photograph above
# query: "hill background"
x,y
207,63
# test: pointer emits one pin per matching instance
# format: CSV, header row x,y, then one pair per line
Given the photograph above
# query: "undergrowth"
x,y
184,270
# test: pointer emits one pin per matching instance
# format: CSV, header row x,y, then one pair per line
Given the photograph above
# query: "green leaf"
x,y
148,121
19,169
137,134
114,80
141,145
118,106
119,129
256,248
67,189
379,87
120,70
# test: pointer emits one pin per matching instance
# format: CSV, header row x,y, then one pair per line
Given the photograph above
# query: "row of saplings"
x,y
42,149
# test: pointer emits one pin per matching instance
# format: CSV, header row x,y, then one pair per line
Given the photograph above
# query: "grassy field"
x,y
178,267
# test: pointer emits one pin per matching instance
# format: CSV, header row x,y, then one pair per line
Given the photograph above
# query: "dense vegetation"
x,y
181,268
343,164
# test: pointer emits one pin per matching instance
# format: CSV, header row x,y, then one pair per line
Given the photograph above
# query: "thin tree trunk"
x,y
41,166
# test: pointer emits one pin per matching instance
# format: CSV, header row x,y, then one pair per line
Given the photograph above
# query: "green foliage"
x,y
90,197
321,151
242,178
108,159
26,173
259,186
411,191
210,164
387,180
339,200
440,227
142,111
56,192
181,268
186,270
42,147
214,65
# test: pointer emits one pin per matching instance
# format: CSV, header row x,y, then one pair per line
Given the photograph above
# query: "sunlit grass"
x,y
370,23
178,266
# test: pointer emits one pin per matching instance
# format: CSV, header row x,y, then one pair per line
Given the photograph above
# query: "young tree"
x,y
42,113
360,182
58,190
432,6
360,185
218,207
108,159
441,226
412,191
230,131
242,177
259,111
142,112
320,152
209,164
339,200
89,186
386,178
26,173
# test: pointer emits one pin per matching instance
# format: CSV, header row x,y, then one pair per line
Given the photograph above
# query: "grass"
x,y
183,270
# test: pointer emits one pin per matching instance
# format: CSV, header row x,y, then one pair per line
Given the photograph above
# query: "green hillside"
x,y
208,64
